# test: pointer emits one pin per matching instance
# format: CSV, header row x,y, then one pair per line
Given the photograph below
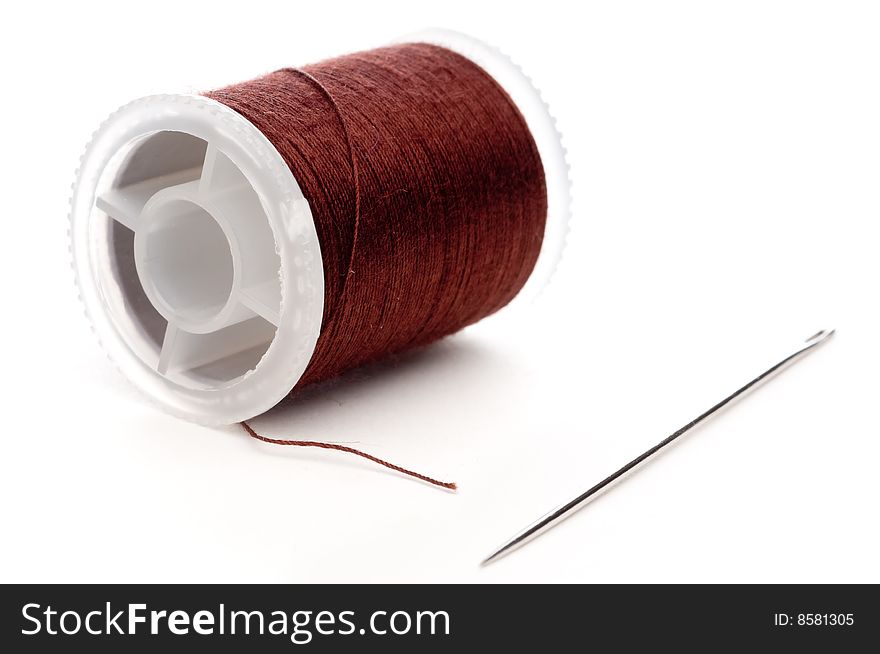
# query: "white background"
x,y
726,161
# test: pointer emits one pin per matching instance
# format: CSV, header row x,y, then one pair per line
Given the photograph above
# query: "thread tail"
x,y
349,450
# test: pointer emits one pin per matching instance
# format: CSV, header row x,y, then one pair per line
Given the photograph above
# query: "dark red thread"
x,y
425,155
427,192
350,450
356,189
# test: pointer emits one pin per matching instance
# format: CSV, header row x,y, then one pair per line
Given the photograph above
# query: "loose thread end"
x,y
448,485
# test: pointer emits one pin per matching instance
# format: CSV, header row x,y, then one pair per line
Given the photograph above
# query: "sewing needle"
x,y
555,517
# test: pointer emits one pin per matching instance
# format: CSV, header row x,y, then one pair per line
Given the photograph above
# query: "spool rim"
x,y
300,272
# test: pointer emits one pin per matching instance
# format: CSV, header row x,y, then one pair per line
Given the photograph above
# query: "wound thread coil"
x,y
275,233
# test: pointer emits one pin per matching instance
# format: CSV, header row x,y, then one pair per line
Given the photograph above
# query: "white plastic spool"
x,y
196,253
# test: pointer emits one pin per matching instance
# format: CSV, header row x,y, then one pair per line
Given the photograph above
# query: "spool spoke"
x,y
218,172
171,333
124,204
121,207
218,350
264,300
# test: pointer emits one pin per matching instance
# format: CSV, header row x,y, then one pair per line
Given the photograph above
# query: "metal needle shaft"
x,y
564,511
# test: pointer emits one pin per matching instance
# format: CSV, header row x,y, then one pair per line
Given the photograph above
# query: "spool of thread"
x,y
235,246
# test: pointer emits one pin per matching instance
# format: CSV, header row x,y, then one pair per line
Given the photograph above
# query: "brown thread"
x,y
350,450
354,175
427,192
427,156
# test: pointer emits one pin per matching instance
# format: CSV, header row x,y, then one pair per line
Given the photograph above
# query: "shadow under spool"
x,y
234,246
